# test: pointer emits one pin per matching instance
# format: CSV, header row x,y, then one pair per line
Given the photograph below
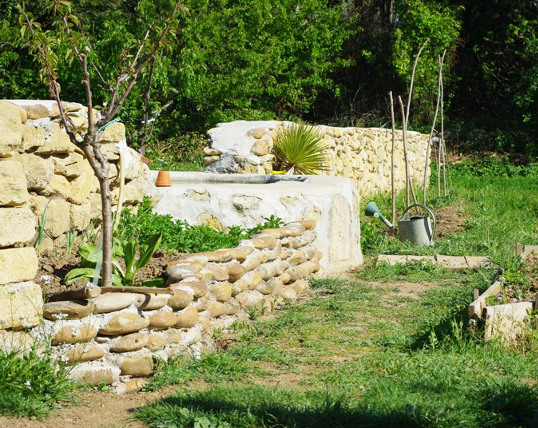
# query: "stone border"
x,y
449,262
111,335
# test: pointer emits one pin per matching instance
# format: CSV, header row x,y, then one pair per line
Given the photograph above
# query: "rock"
x,y
289,293
86,352
132,385
220,273
91,375
124,323
256,133
32,137
137,365
17,264
111,302
80,216
235,272
77,333
250,300
163,319
113,133
199,288
36,111
72,309
13,191
172,335
252,261
297,257
217,309
151,301
15,341
253,279
245,203
266,271
300,286
226,255
260,148
211,152
187,318
155,342
181,297
57,144
57,220
12,129
129,343
39,172
18,226
71,166
222,291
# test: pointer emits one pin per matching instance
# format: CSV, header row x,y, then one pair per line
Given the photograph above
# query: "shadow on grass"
x,y
495,404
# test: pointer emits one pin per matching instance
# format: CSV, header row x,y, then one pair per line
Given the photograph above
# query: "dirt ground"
x,y
107,409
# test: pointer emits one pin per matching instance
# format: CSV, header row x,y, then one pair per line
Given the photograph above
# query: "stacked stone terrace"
x,y
112,334
361,154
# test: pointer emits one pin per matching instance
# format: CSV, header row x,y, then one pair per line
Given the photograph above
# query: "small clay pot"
x,y
145,160
163,179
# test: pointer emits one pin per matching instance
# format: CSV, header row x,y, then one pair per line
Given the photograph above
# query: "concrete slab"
x,y
391,259
424,259
246,199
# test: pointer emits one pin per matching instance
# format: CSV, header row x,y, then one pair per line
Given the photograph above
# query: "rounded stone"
x,y
180,298
137,365
74,334
187,318
111,302
222,291
162,320
124,323
73,309
129,342
83,353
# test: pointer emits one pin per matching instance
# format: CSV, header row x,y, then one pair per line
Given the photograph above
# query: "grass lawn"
x,y
387,346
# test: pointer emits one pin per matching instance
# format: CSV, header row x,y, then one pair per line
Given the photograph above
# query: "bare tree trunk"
x,y
393,191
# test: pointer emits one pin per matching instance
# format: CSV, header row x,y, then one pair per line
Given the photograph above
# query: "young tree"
x,y
68,34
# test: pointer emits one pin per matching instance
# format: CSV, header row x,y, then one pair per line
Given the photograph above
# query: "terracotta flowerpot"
x,y
163,179
145,160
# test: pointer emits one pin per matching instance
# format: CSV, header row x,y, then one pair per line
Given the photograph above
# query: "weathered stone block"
x,y
32,137
111,302
124,323
129,343
57,143
13,191
12,128
222,291
78,333
17,264
17,226
69,309
92,375
84,352
21,305
137,365
187,318
151,301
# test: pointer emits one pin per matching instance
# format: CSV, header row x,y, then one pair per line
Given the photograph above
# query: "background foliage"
x,y
322,61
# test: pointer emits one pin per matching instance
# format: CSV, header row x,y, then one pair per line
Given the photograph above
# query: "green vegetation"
x,y
390,346
178,235
299,149
33,384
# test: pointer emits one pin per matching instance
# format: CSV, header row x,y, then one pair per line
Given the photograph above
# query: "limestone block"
x,y
300,286
36,111
82,186
217,309
12,129
266,271
289,293
151,301
84,352
222,291
17,264
32,137
277,286
57,143
21,305
18,226
124,323
163,319
139,365
212,152
69,309
13,191
111,302
79,216
113,133
297,257
252,261
39,171
233,307
262,242
74,333
199,288
253,279
57,214
92,375
129,343
266,287
187,317
506,322
250,299
208,160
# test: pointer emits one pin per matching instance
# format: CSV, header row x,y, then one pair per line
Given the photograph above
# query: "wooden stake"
x,y
404,127
393,191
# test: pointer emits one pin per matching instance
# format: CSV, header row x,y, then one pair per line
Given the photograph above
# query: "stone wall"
x,y
361,154
113,336
45,178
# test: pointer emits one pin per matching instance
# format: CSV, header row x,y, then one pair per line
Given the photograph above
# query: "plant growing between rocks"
x,y
299,150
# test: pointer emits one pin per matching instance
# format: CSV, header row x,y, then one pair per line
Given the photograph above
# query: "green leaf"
x,y
78,273
148,250
129,254
89,252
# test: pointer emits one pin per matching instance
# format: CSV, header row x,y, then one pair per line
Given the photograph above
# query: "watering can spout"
x,y
372,210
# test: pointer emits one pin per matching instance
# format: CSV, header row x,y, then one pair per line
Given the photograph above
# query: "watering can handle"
x,y
430,212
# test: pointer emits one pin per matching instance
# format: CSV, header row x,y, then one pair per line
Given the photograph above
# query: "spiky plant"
x,y
299,150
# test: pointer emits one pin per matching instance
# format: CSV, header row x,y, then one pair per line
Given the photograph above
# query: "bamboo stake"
x,y
393,192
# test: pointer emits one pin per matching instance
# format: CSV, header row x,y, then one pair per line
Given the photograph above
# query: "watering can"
x,y
418,230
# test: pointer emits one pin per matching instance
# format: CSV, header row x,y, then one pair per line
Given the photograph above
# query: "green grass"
x,y
391,346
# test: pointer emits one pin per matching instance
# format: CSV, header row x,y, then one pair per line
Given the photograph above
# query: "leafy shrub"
x,y
178,235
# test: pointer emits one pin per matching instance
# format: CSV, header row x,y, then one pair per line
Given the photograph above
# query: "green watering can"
x,y
417,230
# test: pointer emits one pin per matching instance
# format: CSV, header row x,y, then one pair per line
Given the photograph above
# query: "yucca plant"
x,y
299,150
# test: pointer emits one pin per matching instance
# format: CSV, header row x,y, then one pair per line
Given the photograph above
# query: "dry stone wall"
x,y
112,334
361,154
45,179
